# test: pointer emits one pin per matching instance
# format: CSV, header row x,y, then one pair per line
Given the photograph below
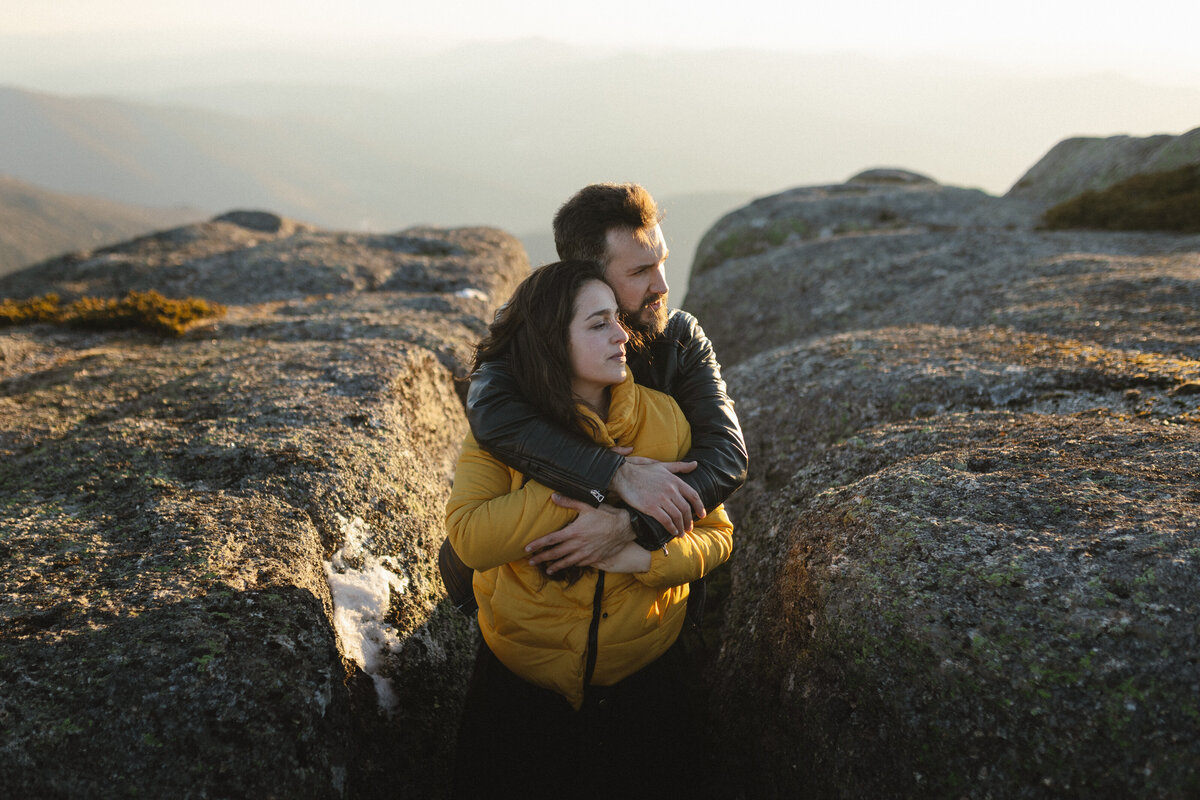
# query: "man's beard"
x,y
644,324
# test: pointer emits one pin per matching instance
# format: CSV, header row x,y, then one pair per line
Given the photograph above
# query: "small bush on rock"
x,y
26,312
1155,201
147,310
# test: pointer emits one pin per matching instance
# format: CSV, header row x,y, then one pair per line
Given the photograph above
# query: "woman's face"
x,y
597,342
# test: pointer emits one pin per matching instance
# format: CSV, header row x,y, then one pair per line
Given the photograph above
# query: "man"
x,y
617,226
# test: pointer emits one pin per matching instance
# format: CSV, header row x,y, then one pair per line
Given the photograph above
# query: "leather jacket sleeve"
x,y
684,365
515,432
681,363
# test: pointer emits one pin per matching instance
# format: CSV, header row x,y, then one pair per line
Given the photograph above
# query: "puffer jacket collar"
x,y
622,413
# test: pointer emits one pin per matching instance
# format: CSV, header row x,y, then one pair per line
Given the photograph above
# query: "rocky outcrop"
x,y
888,175
963,552
1076,165
861,206
1155,201
884,256
219,551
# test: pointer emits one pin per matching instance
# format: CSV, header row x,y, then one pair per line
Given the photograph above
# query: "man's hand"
x,y
594,535
653,488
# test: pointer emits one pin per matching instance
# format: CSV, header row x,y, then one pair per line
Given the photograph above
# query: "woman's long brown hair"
x,y
531,333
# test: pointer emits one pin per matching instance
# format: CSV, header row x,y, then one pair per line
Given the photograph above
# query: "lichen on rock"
x,y
963,550
169,506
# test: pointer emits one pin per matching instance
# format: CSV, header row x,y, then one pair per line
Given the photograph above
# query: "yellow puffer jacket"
x,y
538,627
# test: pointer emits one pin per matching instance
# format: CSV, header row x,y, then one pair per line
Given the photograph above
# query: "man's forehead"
x,y
650,237
641,245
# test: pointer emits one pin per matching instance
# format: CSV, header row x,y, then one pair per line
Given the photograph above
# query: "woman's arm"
x,y
629,559
693,555
487,521
687,557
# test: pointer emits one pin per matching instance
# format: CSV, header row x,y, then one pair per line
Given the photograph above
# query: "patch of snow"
x,y
361,583
472,294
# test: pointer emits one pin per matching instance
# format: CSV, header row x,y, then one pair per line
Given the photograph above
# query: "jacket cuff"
x,y
601,493
647,532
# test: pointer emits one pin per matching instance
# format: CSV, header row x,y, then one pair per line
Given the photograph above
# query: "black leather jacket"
x,y
681,363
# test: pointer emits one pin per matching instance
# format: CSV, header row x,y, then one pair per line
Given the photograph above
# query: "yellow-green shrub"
x,y
23,312
147,310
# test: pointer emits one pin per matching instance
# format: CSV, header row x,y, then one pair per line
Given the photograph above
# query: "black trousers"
x,y
637,738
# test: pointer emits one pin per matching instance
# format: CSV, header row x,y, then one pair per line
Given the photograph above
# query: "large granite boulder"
x,y
964,554
1084,163
875,201
886,255
219,550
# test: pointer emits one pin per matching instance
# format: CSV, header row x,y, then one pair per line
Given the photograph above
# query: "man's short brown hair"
x,y
582,223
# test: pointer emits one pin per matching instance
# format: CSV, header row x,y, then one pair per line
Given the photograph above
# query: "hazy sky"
x,y
1154,39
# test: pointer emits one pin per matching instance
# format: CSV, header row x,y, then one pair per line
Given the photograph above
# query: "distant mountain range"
x,y
501,134
164,155
36,224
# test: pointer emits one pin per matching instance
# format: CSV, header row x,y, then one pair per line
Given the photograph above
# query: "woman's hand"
x,y
630,558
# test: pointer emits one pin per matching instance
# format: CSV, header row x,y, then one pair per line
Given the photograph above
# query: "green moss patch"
x,y
1156,201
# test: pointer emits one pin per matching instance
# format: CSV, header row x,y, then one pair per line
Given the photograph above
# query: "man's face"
x,y
636,273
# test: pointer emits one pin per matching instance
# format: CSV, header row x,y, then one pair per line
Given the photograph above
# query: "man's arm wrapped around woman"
x,y
491,516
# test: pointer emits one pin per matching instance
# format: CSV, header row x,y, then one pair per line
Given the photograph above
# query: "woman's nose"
x,y
621,336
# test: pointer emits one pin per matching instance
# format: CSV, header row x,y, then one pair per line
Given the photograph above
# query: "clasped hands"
x,y
602,537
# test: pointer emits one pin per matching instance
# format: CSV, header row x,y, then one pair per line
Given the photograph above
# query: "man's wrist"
x,y
647,533
620,476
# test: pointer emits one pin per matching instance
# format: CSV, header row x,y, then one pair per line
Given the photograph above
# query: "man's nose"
x,y
659,284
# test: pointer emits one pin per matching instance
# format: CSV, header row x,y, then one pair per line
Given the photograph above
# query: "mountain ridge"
x,y
36,224
516,121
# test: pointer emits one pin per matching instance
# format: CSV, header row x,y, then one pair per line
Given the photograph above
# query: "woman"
x,y
578,679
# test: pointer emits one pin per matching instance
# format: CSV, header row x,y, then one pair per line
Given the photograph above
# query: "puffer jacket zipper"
x,y
593,641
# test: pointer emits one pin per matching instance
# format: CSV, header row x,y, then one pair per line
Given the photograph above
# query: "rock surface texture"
x,y
218,561
966,553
